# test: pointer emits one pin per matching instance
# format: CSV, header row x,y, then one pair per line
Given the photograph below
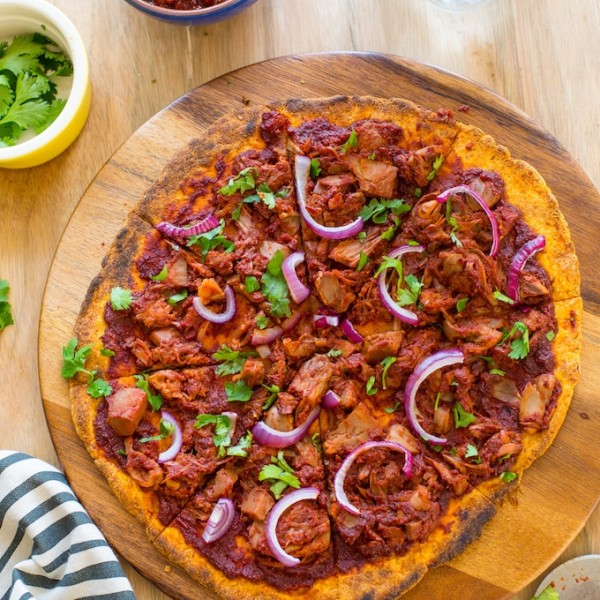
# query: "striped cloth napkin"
x,y
50,549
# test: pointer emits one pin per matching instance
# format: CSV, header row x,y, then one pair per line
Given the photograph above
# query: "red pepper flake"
x,y
465,108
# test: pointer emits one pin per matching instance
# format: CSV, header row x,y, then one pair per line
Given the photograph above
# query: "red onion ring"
x,y
350,332
220,520
526,251
465,189
330,400
298,291
272,438
340,476
275,513
209,315
173,231
405,315
443,358
342,232
176,440
261,337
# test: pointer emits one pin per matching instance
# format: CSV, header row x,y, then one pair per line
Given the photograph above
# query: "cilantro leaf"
x,y
390,263
162,275
274,389
74,360
242,447
453,224
498,295
370,386
155,400
279,474
165,428
243,182
472,453
176,298
392,409
120,298
362,261
351,142
239,391
251,284
223,430
275,287
409,295
334,353
437,164
388,234
462,418
315,168
378,210
519,347
508,476
233,360
99,387
386,363
6,317
550,335
210,240
461,304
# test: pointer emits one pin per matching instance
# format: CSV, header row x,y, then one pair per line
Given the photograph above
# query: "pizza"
x,y
326,343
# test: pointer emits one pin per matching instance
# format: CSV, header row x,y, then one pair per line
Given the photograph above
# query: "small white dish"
x,y
576,579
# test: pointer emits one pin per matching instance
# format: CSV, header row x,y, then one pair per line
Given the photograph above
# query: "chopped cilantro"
x,y
370,386
6,317
418,192
274,390
106,352
251,284
378,210
210,240
390,263
155,400
166,428
508,476
316,442
239,391
223,430
413,243
315,168
362,236
497,372
120,298
175,298
371,156
437,164
99,387
437,401
453,224
242,447
334,353
279,474
275,288
550,336
386,363
502,297
262,322
351,142
519,347
162,275
392,409
243,182
462,418
233,360
548,593
388,234
362,261
462,304
74,360
472,453
410,294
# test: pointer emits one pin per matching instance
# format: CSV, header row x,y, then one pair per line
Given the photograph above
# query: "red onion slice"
x,y
220,520
443,358
465,189
262,337
173,231
342,232
350,332
516,268
405,315
209,315
330,400
176,440
326,320
272,438
340,476
298,291
280,507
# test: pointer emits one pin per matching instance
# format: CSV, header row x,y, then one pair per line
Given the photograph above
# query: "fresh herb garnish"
x,y
162,275
392,409
210,240
99,387
243,182
166,428
497,372
262,322
334,353
462,418
275,288
378,210
390,263
155,400
362,261
176,298
472,453
74,362
233,360
6,317
461,304
519,347
315,168
251,284
388,234
502,297
437,164
223,430
274,390
453,224
508,476
107,352
351,142
550,335
242,447
409,294
370,386
279,474
316,442
386,363
28,97
239,391
120,298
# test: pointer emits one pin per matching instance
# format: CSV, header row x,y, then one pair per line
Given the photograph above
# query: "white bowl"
x,y
31,16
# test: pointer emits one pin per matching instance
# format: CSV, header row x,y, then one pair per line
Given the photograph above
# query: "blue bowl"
x,y
197,16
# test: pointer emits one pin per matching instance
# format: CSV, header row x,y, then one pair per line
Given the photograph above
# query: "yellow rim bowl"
x,y
30,16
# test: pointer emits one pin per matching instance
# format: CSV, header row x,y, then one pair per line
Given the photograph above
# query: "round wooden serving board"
x,y
558,492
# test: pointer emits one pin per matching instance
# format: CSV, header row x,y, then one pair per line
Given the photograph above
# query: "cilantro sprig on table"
x,y
6,317
74,360
28,93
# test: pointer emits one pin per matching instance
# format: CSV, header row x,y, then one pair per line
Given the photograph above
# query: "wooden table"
x,y
542,55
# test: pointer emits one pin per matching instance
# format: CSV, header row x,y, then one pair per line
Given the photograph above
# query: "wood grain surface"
x,y
558,493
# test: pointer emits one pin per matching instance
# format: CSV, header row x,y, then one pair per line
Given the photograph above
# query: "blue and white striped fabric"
x,y
50,549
